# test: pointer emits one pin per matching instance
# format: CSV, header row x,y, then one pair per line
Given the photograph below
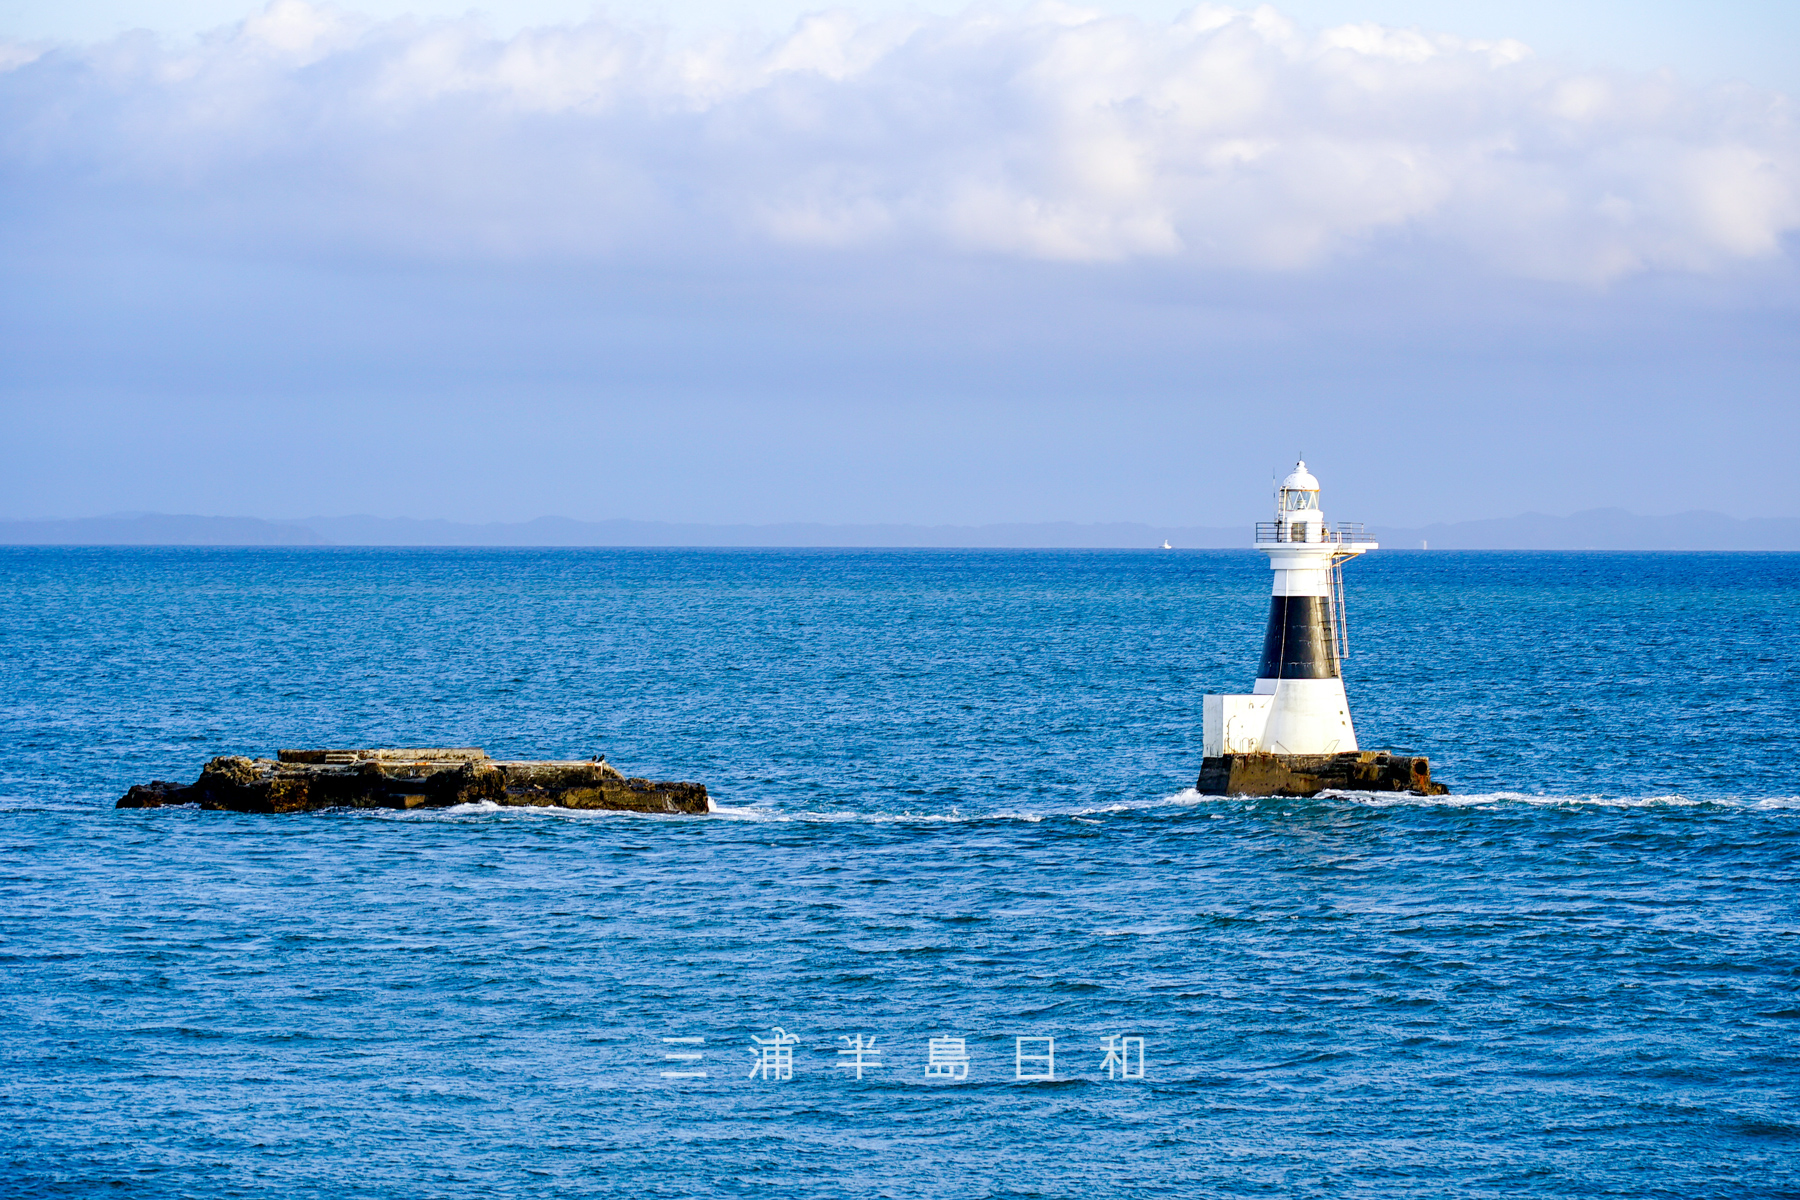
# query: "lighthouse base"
x,y
1310,774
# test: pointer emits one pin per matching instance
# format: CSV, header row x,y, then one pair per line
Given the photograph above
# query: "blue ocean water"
x,y
954,803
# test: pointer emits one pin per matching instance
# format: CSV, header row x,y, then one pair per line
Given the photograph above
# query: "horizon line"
x,y
1593,529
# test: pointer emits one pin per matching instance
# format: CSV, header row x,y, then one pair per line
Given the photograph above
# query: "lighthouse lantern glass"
x,y
1302,500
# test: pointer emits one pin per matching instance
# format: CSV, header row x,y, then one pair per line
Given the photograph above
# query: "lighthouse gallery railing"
x,y
1339,531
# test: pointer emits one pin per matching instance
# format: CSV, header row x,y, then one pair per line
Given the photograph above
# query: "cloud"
x,y
1227,139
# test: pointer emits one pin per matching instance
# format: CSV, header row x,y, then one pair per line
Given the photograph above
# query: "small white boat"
x,y
1166,545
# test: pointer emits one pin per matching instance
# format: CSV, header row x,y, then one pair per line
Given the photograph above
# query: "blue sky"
x,y
735,262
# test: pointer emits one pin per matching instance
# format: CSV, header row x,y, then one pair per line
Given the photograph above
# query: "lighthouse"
x,y
1293,735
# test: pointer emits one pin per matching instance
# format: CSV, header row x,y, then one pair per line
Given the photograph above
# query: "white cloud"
x,y
1227,138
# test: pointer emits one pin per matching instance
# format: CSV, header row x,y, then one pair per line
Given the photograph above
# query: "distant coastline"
x,y
1597,529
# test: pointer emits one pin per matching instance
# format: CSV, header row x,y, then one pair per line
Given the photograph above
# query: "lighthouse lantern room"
x,y
1298,705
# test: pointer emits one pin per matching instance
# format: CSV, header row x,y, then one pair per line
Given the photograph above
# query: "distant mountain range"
x,y
1596,529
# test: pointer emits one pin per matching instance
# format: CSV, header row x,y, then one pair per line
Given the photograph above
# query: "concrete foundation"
x,y
1310,774
306,780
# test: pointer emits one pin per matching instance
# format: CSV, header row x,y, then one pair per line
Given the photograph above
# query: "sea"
x,y
959,926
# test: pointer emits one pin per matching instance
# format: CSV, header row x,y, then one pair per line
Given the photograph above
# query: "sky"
x,y
746,261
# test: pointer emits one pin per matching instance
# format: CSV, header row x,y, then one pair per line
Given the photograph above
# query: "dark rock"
x,y
1310,774
156,794
306,780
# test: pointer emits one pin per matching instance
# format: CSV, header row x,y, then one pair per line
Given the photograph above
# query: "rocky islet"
x,y
309,780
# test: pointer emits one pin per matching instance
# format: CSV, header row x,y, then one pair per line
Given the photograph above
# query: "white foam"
x,y
488,808
763,812
1539,800
1086,814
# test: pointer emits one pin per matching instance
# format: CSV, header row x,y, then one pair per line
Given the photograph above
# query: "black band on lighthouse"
x,y
1299,644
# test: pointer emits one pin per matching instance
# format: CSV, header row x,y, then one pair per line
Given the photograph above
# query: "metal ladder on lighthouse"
x,y
1340,632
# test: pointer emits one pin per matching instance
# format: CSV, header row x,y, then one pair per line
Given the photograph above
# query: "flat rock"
x,y
307,780
1310,774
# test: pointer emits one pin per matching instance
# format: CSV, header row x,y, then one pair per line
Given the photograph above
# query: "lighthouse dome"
x,y
1301,479
1297,506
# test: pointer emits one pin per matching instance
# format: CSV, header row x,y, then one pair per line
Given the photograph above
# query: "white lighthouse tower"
x,y
1298,707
